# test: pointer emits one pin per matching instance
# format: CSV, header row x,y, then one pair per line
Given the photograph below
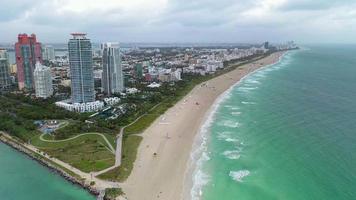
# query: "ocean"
x,y
24,179
286,132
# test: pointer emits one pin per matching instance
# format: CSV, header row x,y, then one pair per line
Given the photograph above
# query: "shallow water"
x,y
24,179
287,131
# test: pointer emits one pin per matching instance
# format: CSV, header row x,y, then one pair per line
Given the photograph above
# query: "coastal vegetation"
x,y
171,94
112,193
129,153
88,152
75,142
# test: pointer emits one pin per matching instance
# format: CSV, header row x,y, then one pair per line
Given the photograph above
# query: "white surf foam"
x,y
239,175
198,178
247,88
234,108
235,113
226,136
248,102
232,155
229,123
199,154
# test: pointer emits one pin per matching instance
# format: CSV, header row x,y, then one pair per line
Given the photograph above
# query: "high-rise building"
x,y
112,79
28,52
139,70
81,68
48,52
266,45
5,81
43,81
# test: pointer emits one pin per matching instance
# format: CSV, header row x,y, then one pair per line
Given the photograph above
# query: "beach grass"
x,y
87,153
140,125
112,193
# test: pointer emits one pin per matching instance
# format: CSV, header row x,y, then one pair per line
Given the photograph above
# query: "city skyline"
x,y
184,21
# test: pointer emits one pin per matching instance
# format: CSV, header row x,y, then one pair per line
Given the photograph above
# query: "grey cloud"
x,y
180,21
311,5
12,9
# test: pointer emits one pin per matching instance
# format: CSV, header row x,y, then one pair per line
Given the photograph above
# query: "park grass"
x,y
160,109
87,153
130,147
140,125
42,144
112,193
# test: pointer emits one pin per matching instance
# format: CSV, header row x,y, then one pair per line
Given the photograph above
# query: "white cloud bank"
x,y
181,20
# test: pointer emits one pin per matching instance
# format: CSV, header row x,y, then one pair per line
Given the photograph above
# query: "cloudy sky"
x,y
305,21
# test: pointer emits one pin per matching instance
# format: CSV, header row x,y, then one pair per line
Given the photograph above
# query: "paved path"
x,y
111,148
119,144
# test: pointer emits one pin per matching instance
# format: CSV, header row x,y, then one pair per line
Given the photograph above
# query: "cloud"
x,y
312,5
179,20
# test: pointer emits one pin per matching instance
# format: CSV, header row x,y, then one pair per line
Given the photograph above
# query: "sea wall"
x,y
54,169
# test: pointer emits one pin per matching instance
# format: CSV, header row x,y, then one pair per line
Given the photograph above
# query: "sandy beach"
x,y
171,138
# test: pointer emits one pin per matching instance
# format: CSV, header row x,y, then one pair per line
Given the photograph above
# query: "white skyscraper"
x,y
112,78
43,81
48,52
4,71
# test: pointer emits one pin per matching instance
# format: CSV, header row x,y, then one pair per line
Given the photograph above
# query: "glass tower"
x,y
112,80
81,68
4,71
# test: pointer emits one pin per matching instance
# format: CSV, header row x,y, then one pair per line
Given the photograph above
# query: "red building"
x,y
148,77
28,52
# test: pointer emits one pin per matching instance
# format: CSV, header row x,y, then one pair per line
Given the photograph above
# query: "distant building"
x,y
43,81
154,85
131,90
81,107
112,79
13,69
81,69
28,52
169,75
139,70
112,101
5,81
266,45
48,53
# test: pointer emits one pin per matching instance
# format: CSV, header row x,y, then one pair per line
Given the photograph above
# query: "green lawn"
x,y
87,153
143,123
130,147
161,108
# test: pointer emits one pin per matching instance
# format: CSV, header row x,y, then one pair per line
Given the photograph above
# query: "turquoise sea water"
x,y
24,179
285,132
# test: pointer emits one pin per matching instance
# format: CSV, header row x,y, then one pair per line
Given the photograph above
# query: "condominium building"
x,y
43,81
48,53
5,81
28,52
139,70
81,68
112,77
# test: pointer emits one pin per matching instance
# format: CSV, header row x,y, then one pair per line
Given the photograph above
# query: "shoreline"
x,y
168,145
192,189
17,146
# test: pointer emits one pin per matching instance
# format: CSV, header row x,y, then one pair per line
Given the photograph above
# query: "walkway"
x,y
119,144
